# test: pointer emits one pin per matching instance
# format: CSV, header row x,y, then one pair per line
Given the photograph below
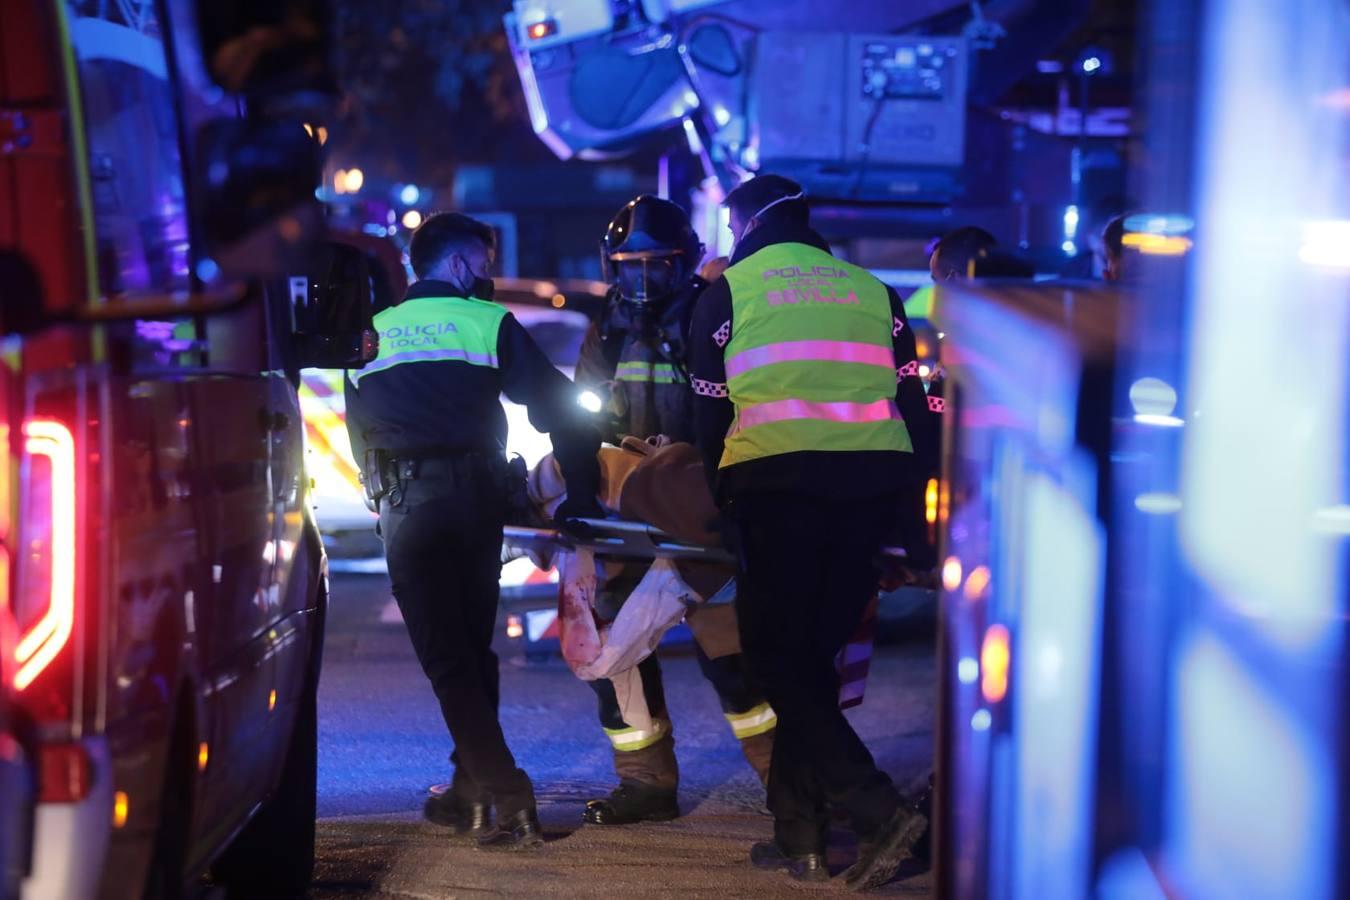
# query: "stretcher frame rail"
x,y
626,539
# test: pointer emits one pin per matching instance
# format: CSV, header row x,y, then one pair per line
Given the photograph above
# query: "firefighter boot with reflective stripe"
x,y
754,728
654,765
633,802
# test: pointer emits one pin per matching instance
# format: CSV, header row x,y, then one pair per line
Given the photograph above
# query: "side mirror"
x,y
331,310
258,213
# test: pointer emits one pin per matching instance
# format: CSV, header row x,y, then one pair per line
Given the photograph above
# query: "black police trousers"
x,y
442,531
807,573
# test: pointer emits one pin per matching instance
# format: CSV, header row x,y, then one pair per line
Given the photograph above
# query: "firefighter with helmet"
x,y
635,358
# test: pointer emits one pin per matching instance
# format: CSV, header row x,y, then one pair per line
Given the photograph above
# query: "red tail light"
x,y
45,589
8,637
65,773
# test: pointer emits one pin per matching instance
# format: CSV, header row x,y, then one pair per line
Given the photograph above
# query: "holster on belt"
x,y
376,478
514,476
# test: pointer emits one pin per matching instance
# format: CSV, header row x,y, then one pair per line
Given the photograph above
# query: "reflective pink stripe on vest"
x,y
815,351
785,410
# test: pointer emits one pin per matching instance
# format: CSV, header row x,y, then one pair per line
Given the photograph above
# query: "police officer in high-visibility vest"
x,y
426,421
807,390
636,355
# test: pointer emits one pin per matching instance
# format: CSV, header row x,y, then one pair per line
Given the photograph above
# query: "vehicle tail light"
x,y
995,663
45,588
65,773
8,637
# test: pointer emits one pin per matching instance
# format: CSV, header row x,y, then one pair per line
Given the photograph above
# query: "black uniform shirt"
x,y
445,406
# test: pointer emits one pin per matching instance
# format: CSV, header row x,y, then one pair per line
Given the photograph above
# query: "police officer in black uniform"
x,y
425,419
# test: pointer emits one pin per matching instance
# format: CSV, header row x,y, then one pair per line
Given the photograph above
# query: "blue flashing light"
x,y
409,194
1166,224
207,270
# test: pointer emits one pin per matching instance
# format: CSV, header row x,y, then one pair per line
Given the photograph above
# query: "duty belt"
x,y
386,473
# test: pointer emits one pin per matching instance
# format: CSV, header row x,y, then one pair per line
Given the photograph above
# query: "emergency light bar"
x,y
540,30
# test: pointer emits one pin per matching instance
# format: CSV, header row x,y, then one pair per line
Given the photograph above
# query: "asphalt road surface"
x,y
382,743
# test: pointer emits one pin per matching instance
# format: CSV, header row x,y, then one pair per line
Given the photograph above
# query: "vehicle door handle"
x,y
273,422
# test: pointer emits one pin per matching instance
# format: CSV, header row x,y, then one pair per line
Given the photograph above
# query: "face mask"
x,y
645,280
480,287
483,288
749,223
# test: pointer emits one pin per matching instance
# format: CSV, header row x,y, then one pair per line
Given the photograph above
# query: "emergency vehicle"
x,y
16,775
163,284
1143,655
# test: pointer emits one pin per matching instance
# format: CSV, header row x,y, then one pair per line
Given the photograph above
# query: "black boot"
x,y
632,802
521,831
460,816
801,866
880,856
923,847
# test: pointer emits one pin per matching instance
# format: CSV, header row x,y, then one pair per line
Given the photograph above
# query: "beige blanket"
x,y
657,482
660,483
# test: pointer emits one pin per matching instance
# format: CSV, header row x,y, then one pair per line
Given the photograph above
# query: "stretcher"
x,y
621,538
638,541
614,538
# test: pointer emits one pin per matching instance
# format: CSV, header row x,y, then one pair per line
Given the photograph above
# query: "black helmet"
x,y
649,249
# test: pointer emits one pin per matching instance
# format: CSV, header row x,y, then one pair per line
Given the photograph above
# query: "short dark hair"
x,y
441,235
997,264
960,248
1113,236
757,193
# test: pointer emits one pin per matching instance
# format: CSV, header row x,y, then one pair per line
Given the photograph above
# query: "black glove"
x,y
583,506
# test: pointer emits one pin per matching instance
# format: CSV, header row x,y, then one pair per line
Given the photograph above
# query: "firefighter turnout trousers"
x,y
648,756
